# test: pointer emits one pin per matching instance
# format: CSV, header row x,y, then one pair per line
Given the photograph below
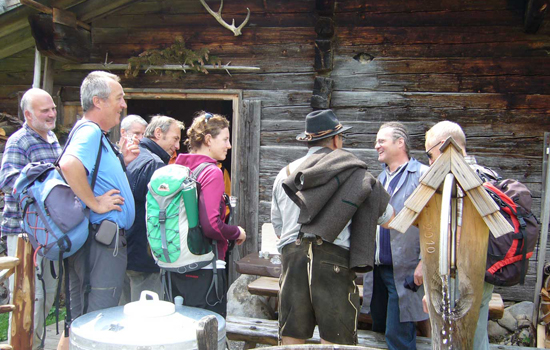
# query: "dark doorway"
x,y
185,111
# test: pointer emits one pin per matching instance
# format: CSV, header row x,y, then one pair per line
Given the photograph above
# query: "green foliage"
x,y
176,54
50,319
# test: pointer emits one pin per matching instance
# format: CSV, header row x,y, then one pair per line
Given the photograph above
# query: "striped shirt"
x,y
23,147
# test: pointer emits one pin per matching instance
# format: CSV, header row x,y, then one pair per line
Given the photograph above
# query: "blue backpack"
x,y
55,220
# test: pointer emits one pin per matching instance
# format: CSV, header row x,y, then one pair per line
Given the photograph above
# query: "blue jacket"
x,y
405,249
151,158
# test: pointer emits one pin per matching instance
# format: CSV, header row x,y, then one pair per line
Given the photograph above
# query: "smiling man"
x,y
390,292
34,142
97,270
161,139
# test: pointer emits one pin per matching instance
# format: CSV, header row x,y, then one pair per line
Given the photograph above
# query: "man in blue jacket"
x,y
160,140
390,292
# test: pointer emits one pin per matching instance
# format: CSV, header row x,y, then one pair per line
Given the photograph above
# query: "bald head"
x,y
39,110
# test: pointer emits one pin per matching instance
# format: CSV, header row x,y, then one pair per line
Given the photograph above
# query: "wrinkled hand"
x,y
110,200
418,277
130,151
242,237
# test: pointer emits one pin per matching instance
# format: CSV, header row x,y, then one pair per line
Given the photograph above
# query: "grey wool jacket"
x,y
332,187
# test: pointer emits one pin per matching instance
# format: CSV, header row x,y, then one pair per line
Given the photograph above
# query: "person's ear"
x,y
27,115
158,133
96,101
207,139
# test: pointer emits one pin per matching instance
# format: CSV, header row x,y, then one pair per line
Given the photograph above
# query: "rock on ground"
x,y
241,303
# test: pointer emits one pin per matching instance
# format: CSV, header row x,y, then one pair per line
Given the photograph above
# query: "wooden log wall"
x,y
417,62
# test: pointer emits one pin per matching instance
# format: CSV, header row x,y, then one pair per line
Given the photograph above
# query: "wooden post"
x,y
47,82
247,184
545,221
23,298
207,333
459,326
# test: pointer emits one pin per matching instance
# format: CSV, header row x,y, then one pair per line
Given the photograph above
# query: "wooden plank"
x,y
404,219
438,170
477,67
247,149
428,17
496,307
437,100
207,333
23,297
198,20
16,42
483,203
464,174
215,34
8,262
418,199
266,332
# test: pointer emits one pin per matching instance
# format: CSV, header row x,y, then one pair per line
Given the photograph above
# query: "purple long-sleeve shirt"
x,y
211,202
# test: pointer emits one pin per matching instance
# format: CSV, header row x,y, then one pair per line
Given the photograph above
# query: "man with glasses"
x,y
161,139
390,293
324,210
435,137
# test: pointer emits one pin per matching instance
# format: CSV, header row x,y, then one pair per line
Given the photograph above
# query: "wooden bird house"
x,y
454,214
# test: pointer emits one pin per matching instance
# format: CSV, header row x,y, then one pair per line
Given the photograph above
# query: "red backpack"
x,y
508,256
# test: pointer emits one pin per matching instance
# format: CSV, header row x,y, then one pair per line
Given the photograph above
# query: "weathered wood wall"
x,y
418,62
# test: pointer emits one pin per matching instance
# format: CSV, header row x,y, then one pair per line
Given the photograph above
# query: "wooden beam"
x,y
124,66
48,10
534,15
16,42
47,82
322,92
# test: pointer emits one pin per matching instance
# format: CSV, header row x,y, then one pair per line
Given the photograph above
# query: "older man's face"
x,y
42,114
113,106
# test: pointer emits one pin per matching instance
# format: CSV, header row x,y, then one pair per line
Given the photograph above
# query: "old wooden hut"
x,y
483,64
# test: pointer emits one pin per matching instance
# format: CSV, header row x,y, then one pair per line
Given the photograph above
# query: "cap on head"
x,y
320,125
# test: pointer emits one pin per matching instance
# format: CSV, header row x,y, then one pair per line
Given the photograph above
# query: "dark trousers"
x,y
194,287
385,311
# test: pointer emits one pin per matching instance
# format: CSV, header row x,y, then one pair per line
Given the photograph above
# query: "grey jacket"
x,y
331,188
405,249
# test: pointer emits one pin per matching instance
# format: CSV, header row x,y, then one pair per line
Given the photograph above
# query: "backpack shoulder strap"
x,y
98,157
198,170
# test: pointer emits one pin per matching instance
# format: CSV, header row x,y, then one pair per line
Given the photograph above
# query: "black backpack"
x,y
508,256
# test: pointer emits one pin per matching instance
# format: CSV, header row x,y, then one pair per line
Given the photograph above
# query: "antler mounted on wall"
x,y
218,17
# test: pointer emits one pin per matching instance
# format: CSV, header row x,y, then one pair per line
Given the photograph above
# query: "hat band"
x,y
309,136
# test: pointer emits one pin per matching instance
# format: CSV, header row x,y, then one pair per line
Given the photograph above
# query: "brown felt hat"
x,y
320,125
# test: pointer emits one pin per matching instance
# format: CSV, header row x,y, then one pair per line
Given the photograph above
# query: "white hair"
x,y
130,119
95,84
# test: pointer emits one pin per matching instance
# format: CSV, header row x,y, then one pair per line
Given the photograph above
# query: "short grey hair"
x,y
26,100
399,131
95,84
442,130
163,122
130,119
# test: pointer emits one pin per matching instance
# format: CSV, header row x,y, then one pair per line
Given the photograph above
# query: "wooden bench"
x,y
258,331
269,286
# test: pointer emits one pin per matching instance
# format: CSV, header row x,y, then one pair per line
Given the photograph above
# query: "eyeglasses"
x,y
428,151
207,117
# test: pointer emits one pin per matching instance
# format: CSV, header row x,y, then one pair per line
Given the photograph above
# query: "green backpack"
x,y
173,230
